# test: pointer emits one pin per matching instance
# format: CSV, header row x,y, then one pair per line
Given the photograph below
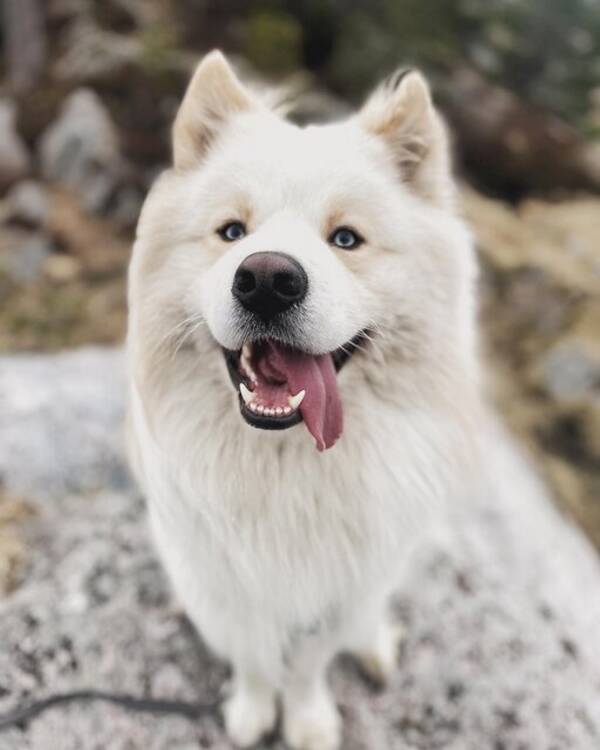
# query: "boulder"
x,y
61,422
27,203
501,605
80,150
571,370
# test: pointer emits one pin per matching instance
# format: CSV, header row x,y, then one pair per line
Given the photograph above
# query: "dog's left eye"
x,y
232,231
345,238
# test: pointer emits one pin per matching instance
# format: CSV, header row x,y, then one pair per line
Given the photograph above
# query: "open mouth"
x,y
280,386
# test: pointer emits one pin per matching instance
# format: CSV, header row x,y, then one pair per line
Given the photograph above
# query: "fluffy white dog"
x,y
315,283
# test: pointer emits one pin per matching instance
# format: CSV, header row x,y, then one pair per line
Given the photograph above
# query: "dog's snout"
x,y
269,283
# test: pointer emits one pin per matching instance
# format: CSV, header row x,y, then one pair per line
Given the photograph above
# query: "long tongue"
x,y
321,407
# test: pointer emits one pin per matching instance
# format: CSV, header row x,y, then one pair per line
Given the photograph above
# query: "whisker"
x,y
177,334
171,331
186,335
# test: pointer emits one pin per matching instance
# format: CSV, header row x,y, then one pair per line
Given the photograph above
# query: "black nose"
x,y
269,283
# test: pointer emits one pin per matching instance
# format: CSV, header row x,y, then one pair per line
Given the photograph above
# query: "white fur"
x,y
283,556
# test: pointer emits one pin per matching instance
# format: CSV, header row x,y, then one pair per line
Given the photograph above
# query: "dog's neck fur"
x,y
189,404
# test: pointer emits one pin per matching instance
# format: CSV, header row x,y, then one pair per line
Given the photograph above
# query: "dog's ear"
x,y
213,95
402,114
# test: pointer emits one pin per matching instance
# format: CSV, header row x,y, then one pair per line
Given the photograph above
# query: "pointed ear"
x,y
213,95
402,114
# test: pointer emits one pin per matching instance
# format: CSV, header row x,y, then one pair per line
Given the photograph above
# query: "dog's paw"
x,y
249,716
378,661
312,726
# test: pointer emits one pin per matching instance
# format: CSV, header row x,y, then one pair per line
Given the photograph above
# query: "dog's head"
x,y
299,251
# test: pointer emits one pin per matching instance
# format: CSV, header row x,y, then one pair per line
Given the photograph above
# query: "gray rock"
x,y
14,156
61,422
28,203
22,254
501,605
571,370
81,149
127,206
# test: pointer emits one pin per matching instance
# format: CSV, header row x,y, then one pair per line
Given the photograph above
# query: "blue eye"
x,y
345,238
232,231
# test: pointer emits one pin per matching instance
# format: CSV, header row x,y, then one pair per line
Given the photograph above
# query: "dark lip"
x,y
232,360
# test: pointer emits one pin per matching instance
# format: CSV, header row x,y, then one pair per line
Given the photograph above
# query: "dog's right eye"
x,y
345,238
232,231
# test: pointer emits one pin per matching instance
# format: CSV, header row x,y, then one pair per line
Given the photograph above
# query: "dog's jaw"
x,y
273,401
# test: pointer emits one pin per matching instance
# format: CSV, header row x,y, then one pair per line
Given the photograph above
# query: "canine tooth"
x,y
247,350
295,401
247,367
247,394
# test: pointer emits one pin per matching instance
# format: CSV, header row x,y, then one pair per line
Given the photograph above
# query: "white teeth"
x,y
295,401
247,394
267,411
245,362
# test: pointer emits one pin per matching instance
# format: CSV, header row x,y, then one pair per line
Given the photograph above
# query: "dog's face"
x,y
289,249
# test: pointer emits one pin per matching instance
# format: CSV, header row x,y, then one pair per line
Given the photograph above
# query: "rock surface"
x,y
81,150
27,203
501,607
540,304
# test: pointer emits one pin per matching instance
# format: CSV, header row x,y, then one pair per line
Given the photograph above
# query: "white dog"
x,y
316,283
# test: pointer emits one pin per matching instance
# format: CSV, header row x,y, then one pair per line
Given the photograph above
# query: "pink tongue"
x,y
321,407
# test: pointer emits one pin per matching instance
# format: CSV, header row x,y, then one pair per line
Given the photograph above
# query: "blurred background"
x,y
88,92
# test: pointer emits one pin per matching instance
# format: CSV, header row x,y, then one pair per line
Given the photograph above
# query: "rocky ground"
x,y
500,645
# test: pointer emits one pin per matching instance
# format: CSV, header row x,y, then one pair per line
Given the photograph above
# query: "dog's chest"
x,y
267,516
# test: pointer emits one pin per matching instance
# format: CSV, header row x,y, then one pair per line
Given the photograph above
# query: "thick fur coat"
x,y
283,555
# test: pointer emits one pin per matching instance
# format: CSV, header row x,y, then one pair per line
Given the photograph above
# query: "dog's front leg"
x,y
310,718
250,711
375,640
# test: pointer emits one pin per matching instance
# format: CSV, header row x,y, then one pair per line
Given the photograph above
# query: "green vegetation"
x,y
544,50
